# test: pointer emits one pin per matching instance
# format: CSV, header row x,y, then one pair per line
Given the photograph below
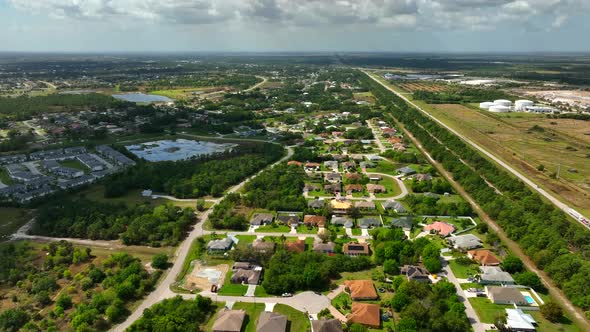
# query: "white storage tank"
x,y
486,105
521,105
499,109
503,102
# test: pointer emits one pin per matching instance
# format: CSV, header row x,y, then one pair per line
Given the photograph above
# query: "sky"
x,y
295,25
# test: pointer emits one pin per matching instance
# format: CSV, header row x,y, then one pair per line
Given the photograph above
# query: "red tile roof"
x,y
361,289
441,227
365,314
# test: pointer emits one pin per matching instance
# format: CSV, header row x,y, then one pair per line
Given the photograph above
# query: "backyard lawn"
x,y
298,321
253,310
463,271
486,310
343,303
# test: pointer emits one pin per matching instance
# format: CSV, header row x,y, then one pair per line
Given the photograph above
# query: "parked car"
x,y
287,295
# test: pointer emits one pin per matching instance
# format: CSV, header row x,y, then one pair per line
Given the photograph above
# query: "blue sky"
x,y
295,25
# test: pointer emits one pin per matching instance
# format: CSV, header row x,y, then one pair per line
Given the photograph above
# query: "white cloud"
x,y
423,14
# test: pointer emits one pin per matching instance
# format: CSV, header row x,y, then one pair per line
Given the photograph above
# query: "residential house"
x,y
229,321
324,248
360,290
415,273
365,205
262,219
340,206
314,221
246,276
518,321
405,223
333,188
114,155
292,219
484,257
394,140
345,221
260,245
331,164
316,204
374,157
376,188
399,147
271,322
326,325
465,242
375,177
441,228
423,177
368,222
311,187
405,171
294,163
349,166
355,249
353,176
394,205
220,245
91,162
365,314
312,167
296,246
350,188
505,295
334,177
493,275
366,164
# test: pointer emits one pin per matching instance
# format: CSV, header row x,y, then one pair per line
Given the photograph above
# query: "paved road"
x,y
564,207
163,291
257,85
477,325
376,136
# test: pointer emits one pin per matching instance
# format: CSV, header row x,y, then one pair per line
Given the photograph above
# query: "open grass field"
x,y
4,177
543,325
527,142
11,219
364,96
463,271
391,186
180,93
423,86
133,197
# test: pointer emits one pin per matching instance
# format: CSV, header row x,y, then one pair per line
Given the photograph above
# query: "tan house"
x,y
314,221
484,257
505,295
271,322
229,321
355,249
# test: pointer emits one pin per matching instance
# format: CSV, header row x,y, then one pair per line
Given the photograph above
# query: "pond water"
x,y
173,150
142,98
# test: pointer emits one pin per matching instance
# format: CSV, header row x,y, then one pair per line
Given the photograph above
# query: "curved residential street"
x,y
564,207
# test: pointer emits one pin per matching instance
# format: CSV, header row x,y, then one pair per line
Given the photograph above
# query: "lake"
x,y
142,98
174,150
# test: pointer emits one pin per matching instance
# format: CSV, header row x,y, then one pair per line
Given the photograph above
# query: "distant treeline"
x,y
210,175
459,96
23,107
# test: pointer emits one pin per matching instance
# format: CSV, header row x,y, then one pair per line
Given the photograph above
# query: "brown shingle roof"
x,y
365,314
297,246
319,221
361,289
326,325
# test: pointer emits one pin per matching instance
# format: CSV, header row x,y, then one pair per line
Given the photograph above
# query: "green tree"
x,y
11,320
512,264
552,311
160,261
64,301
530,279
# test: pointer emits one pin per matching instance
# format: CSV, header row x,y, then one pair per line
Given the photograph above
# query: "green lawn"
x,y
253,310
260,292
486,310
392,187
463,271
4,177
274,228
356,231
544,325
304,230
233,289
245,240
73,163
297,320
343,303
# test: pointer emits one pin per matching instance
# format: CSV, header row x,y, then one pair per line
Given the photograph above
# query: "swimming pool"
x,y
529,299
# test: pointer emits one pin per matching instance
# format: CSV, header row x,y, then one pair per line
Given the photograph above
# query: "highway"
x,y
564,207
